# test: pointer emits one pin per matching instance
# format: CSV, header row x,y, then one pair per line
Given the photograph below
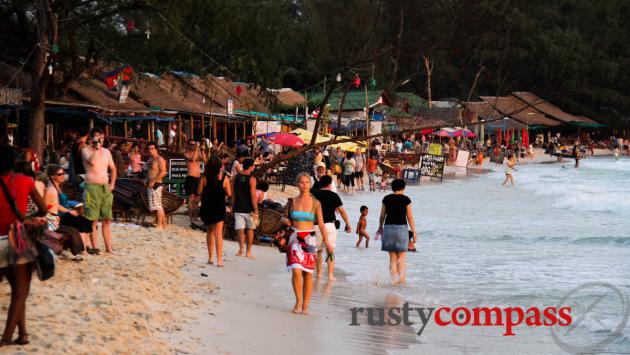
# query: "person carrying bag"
x,y
26,240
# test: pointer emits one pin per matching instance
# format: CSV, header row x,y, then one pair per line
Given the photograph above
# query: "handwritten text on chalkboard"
x,y
432,165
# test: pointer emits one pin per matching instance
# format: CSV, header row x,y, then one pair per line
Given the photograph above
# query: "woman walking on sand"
x,y
508,170
18,272
213,188
302,212
395,215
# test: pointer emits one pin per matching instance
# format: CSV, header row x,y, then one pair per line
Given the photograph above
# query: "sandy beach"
x,y
157,295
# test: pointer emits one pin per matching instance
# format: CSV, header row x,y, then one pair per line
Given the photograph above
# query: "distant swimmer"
x,y
508,170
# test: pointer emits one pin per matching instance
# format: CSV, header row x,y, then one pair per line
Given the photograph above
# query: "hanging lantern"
x,y
54,49
131,25
148,33
239,90
356,81
338,78
372,83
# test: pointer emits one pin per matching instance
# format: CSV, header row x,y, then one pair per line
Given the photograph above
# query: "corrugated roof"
x,y
518,110
546,107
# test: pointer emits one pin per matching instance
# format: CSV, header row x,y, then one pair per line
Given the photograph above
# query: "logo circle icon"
x,y
599,313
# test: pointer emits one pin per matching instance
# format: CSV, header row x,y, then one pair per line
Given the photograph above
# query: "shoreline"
x,y
150,296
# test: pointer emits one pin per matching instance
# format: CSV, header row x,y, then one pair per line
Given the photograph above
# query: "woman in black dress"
x,y
213,188
395,216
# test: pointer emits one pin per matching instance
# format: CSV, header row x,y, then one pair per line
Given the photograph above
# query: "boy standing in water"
x,y
361,227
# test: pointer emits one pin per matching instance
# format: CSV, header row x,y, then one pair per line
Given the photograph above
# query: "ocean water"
x,y
482,244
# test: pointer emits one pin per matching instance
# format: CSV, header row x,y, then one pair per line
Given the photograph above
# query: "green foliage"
x,y
573,52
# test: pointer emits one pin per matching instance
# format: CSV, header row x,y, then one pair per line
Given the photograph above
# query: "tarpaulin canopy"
x,y
287,140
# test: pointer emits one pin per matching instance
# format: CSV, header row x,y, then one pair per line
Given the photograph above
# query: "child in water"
x,y
361,227
508,170
617,153
383,183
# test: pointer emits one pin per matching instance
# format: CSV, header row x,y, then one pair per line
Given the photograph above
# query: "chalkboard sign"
x,y
432,165
177,169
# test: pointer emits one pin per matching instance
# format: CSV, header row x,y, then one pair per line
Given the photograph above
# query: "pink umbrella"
x,y
464,132
287,140
444,133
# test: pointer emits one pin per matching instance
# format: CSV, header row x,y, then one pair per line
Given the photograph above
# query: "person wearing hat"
x,y
320,171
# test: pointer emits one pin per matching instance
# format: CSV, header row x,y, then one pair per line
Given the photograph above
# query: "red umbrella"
x,y
499,136
287,140
507,137
525,137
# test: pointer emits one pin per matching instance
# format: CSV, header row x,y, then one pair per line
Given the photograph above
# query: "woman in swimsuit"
x,y
302,246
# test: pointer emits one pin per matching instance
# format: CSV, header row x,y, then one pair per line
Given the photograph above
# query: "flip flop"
x,y
20,341
94,251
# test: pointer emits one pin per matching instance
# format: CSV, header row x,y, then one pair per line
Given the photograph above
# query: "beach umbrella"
x,y
464,132
512,137
444,132
499,136
525,137
287,140
519,138
507,136
482,134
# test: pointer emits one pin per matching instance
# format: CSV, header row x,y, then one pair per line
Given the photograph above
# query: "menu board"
x,y
432,165
435,149
177,169
462,158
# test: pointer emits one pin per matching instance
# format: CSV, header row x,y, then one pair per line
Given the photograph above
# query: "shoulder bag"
x,y
25,242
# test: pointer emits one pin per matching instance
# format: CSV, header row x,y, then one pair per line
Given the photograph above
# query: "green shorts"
x,y
98,202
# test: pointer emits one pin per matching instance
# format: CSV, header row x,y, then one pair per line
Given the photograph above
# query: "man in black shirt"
x,y
244,206
330,203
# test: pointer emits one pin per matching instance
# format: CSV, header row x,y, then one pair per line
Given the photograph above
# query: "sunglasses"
x,y
58,174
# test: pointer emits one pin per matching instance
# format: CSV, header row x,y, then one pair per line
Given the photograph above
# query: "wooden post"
x,y
91,122
149,131
244,130
192,128
214,128
16,134
203,124
254,133
225,133
235,132
179,133
367,123
125,128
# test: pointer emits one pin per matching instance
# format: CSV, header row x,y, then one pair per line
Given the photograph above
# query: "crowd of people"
x,y
216,186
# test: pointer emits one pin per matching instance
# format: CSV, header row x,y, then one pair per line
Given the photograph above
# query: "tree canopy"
x,y
575,53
